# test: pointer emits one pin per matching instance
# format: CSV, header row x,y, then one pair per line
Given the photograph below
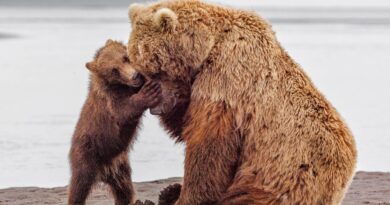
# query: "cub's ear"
x,y
91,66
134,10
109,41
165,19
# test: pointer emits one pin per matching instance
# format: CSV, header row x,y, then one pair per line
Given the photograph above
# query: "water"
x,y
43,85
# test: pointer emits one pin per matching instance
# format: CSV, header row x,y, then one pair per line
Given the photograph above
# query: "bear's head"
x,y
210,52
168,50
111,67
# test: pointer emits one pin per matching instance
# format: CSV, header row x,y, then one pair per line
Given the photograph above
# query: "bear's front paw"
x,y
147,202
169,195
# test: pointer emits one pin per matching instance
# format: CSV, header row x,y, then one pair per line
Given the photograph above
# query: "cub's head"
x,y
111,66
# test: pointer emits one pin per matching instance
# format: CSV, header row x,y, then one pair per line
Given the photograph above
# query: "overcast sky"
x,y
246,3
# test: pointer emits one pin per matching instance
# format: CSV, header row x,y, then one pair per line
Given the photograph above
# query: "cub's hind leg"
x,y
83,178
118,177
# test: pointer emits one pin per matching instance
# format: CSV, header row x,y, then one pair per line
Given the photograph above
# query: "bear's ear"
x,y
91,66
109,41
165,19
134,10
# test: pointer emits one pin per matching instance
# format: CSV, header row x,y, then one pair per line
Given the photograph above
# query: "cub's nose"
x,y
137,76
138,79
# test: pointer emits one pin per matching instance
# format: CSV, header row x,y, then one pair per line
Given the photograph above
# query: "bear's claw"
x,y
147,202
169,195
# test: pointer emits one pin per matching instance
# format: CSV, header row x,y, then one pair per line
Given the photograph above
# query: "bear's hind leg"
x,y
248,196
119,180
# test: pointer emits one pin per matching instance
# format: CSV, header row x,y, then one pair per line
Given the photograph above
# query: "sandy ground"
x,y
367,188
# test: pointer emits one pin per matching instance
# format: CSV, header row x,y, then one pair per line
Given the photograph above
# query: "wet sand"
x,y
367,188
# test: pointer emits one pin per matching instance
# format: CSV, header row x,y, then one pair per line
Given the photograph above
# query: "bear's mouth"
x,y
166,106
156,111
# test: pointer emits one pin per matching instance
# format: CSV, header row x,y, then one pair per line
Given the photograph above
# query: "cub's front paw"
x,y
150,95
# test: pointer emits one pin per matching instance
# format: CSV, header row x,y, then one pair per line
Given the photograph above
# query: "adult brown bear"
x,y
256,129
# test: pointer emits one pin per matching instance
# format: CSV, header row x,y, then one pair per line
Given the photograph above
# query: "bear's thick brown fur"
x,y
256,130
108,124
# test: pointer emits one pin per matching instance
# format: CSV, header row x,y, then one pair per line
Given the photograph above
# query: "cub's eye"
x,y
115,72
126,59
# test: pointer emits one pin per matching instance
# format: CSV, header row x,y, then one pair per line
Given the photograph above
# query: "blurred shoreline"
x,y
278,15
275,14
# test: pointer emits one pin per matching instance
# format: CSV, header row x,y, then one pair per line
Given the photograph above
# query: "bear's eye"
x,y
126,59
115,72
155,76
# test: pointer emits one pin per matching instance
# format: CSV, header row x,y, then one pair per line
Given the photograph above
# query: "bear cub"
x,y
117,99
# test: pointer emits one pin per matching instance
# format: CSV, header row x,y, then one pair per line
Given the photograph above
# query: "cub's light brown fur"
x,y
108,124
257,131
